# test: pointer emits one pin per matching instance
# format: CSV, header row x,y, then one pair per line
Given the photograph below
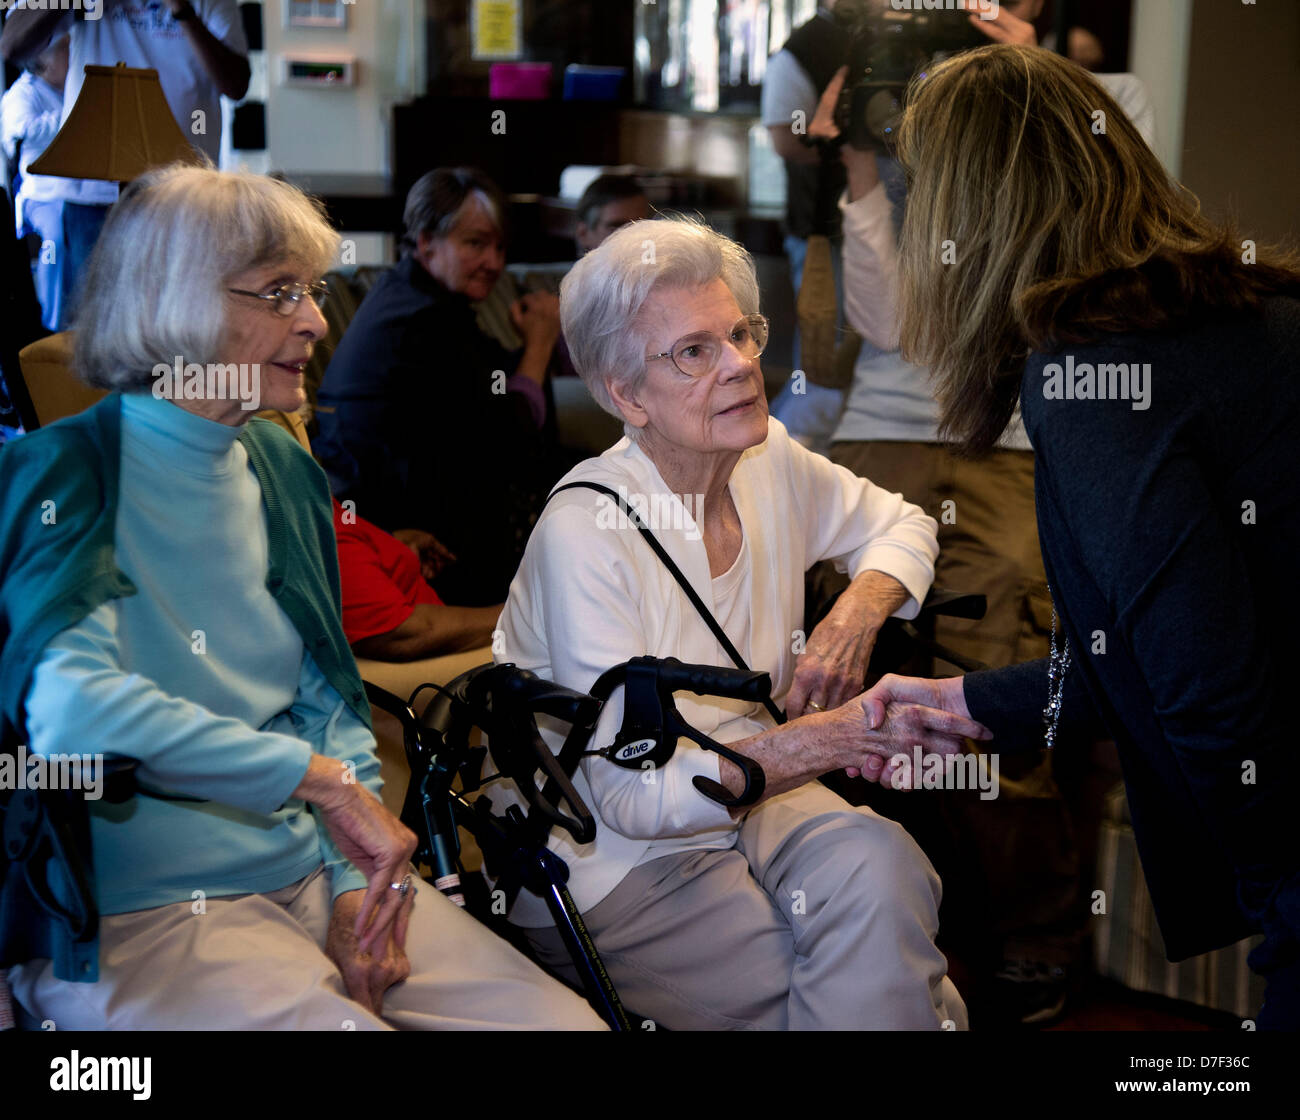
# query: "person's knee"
x,y
872,864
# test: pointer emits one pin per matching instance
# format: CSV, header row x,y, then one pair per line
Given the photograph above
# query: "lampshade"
x,y
119,127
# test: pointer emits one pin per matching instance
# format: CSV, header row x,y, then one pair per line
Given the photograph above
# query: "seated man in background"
x,y
608,203
390,609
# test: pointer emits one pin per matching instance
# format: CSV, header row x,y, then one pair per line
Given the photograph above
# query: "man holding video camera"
x,y
795,78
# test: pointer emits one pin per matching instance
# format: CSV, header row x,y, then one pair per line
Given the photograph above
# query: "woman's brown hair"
x,y
1037,216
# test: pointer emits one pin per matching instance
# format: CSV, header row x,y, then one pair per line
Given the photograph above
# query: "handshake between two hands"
x,y
903,714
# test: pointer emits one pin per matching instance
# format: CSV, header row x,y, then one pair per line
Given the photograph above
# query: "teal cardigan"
x,y
58,511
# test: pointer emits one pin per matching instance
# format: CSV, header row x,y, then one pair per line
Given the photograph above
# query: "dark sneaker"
x,y
1031,993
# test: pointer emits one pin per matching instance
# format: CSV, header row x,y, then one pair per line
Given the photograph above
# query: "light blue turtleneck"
x,y
201,676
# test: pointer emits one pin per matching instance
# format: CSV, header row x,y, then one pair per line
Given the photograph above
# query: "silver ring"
x,y
402,887
816,707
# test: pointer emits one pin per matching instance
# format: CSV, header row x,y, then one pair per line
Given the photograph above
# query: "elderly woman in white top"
x,y
804,912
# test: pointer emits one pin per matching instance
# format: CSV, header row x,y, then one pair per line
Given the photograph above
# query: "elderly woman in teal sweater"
x,y
170,594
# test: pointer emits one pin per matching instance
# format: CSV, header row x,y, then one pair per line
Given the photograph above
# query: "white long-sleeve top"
x,y
590,594
890,399
30,111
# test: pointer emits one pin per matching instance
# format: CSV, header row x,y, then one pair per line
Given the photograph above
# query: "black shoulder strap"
x,y
681,579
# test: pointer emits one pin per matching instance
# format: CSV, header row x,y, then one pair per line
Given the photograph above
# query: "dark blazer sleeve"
x,y
1161,535
1010,703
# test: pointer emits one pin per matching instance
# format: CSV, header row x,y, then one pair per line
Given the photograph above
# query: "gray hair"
x,y
441,197
602,296
154,288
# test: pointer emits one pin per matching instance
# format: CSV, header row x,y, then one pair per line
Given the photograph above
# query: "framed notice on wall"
x,y
495,29
315,13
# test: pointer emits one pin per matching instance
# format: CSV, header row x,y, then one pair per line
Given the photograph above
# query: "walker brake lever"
x,y
755,778
652,724
511,697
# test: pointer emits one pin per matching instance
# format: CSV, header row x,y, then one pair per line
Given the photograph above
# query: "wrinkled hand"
x,y
434,556
1006,28
902,705
833,666
536,316
873,728
367,976
378,845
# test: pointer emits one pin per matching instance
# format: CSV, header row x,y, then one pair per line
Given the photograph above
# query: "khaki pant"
x,y
822,917
988,539
255,962
1022,842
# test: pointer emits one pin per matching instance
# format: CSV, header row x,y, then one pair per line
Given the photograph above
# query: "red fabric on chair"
x,y
381,577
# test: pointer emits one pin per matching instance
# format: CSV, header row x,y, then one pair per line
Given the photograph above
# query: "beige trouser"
x,y
255,962
822,917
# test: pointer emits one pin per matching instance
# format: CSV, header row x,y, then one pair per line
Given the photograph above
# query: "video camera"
x,y
888,48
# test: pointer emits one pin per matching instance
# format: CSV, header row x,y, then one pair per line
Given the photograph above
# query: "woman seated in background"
x,y
168,594
425,421
806,912
1154,355
390,610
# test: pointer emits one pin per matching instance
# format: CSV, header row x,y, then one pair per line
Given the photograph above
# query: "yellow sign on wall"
x,y
494,29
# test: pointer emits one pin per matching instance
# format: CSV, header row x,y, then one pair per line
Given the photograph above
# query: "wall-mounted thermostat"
x,y
317,71
315,13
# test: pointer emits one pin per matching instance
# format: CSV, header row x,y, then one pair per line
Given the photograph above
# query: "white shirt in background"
x,y
30,113
891,399
144,34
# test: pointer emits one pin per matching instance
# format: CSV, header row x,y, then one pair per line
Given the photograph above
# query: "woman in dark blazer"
x,y
1153,356
426,422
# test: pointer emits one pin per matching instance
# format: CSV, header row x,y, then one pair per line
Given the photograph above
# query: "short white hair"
x,y
602,296
155,286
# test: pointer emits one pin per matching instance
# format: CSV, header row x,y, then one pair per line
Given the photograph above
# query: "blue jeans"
x,y
45,219
81,226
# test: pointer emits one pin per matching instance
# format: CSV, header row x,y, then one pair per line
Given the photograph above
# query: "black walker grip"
x,y
715,680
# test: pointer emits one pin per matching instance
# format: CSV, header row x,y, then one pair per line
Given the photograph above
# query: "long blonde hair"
x,y
1037,216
